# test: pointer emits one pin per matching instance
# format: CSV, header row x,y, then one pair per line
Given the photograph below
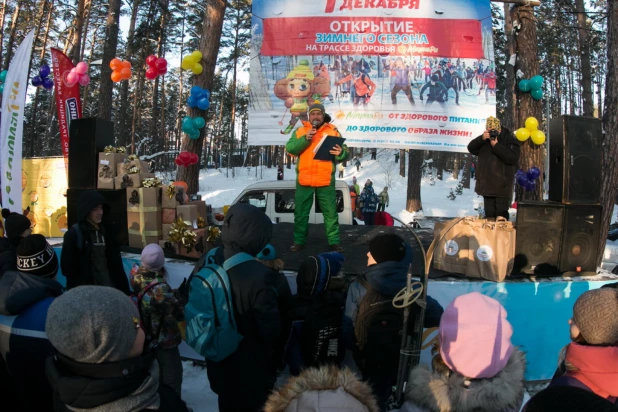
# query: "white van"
x,y
276,199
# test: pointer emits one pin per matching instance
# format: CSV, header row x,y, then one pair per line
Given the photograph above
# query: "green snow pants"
x,y
327,198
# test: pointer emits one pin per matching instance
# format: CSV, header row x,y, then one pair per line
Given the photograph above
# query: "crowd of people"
x,y
99,345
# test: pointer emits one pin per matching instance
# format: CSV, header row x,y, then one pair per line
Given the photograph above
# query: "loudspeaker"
x,y
554,237
575,160
117,201
88,137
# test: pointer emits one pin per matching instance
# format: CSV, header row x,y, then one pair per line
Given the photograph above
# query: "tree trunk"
x,y
584,55
12,31
413,201
123,122
510,95
467,162
2,17
402,163
456,165
527,62
609,178
212,25
78,25
87,8
106,87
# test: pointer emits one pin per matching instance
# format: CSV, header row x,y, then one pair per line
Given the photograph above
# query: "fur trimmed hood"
x,y
277,264
327,388
435,392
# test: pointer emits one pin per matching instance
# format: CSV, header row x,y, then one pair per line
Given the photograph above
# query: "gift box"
x,y
173,196
188,214
165,229
132,167
197,250
134,180
201,209
107,166
169,215
144,216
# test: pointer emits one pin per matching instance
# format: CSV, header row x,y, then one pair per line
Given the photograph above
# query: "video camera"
x,y
493,134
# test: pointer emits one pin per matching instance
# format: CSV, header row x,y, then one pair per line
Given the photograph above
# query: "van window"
x,y
339,201
255,198
284,201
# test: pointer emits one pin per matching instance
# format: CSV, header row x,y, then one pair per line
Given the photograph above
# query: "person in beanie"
x,y
475,365
568,399
16,227
160,313
90,253
383,199
387,272
368,201
99,362
315,178
316,314
591,361
25,296
498,156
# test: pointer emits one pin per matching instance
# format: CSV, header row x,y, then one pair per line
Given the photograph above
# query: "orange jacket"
x,y
362,84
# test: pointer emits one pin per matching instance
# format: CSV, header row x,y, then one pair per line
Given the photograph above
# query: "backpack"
x,y
209,312
321,340
378,330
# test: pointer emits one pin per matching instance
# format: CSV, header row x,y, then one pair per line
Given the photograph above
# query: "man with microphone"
x,y
315,177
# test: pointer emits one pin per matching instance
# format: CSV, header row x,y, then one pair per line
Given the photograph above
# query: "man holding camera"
x,y
498,156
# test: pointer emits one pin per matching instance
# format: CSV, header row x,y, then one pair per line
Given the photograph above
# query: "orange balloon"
x,y
126,64
116,77
182,184
115,64
125,73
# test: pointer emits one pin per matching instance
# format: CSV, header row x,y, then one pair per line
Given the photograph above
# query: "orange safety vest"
x,y
312,172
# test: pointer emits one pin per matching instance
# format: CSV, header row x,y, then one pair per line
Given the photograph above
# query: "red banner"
x,y
376,35
68,102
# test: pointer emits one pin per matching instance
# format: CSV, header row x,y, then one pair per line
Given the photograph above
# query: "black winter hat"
x,y
315,273
435,78
36,257
387,247
14,223
568,399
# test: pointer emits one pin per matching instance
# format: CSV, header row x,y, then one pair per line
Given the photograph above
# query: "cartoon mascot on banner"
x,y
299,90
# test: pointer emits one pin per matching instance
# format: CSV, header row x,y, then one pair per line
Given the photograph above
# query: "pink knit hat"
x,y
475,337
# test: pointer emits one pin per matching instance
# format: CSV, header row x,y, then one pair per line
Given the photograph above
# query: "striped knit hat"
x,y
596,315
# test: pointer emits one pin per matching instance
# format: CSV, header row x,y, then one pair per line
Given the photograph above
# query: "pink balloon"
x,y
150,60
72,77
84,80
81,68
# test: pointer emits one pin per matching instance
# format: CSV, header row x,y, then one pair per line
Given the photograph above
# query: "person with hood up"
x,y
99,362
498,155
368,201
591,361
16,227
90,253
475,365
160,312
244,379
387,272
326,388
25,296
383,199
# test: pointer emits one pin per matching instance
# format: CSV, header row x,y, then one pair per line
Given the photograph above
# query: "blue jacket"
x,y
388,278
24,301
369,200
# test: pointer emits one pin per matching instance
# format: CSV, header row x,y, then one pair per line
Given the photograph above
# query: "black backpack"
x,y
378,330
321,340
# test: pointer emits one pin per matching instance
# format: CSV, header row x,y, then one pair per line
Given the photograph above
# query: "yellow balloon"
x,y
197,68
187,63
522,134
197,56
537,137
532,124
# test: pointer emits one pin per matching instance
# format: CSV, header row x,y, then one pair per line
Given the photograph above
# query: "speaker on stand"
x,y
88,138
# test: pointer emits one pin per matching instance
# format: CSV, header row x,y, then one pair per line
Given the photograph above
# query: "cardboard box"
x,y
188,214
200,246
107,167
168,246
165,230
148,197
201,209
124,167
144,216
169,215
131,180
176,200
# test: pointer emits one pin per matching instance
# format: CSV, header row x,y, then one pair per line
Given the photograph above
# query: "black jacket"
x,y
8,254
75,260
250,371
496,166
437,91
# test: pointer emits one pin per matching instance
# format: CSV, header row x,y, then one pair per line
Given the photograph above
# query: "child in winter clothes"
x,y
591,361
383,199
368,202
160,312
475,367
16,227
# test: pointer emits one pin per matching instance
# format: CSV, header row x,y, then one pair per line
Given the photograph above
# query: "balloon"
x,y
196,55
150,60
537,94
1,88
522,134
37,81
537,137
48,84
195,134
191,101
3,75
187,63
116,77
194,158
162,71
203,103
536,82
81,68
522,180
532,124
199,122
178,162
197,69
206,93
530,186
160,63
115,64
125,73
126,64
534,173
72,77
44,71
185,155
524,85
196,90
84,80
151,73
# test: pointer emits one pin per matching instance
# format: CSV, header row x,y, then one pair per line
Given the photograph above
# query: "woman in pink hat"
x,y
475,365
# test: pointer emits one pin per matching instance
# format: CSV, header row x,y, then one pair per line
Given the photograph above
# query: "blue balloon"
x,y
48,83
1,88
524,85
206,93
3,75
534,173
37,81
195,134
44,71
522,180
191,101
196,90
203,103
199,122
530,186
537,94
536,82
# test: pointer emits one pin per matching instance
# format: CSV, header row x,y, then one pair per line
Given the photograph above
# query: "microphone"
x,y
315,124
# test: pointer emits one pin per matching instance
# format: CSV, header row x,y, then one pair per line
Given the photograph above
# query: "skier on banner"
x,y
401,76
437,92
